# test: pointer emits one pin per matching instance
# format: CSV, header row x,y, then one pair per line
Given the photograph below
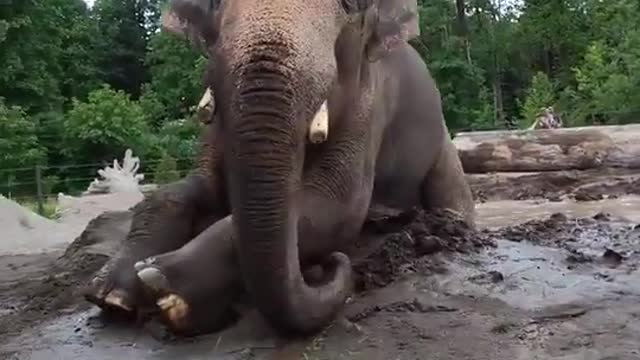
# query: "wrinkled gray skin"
x,y
293,204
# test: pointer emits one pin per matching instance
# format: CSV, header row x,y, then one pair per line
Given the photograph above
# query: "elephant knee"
x,y
171,199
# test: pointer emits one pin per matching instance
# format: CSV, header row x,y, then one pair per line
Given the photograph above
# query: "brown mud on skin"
x,y
558,288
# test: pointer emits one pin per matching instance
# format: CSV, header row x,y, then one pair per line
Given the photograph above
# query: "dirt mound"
x,y
52,290
611,190
405,251
78,211
24,231
586,185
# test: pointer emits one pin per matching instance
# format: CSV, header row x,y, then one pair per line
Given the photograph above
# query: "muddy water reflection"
x,y
495,214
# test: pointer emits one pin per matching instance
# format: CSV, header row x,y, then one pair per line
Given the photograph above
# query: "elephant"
x,y
264,203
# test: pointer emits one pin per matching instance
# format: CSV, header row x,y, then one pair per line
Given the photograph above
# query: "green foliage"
x,y
179,139
19,147
105,126
49,207
176,77
540,94
495,66
166,170
121,43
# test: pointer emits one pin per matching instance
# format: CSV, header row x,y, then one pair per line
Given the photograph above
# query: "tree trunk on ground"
x,y
550,150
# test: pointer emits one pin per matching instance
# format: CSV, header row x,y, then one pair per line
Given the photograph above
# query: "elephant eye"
x,y
355,6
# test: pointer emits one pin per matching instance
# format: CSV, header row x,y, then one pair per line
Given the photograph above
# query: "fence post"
x,y
39,189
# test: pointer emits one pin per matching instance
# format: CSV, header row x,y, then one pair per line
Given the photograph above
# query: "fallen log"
x,y
616,146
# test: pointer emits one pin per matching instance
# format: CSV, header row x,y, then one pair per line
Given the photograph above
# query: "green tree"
x,y
79,60
179,139
121,43
105,126
166,170
462,84
19,147
176,76
540,94
607,86
553,34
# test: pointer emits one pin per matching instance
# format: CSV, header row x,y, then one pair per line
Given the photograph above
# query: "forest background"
x,y
79,85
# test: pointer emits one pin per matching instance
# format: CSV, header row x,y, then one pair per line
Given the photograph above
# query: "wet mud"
x,y
555,287
413,248
36,288
578,185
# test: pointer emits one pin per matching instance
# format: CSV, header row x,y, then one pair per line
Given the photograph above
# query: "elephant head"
x,y
276,63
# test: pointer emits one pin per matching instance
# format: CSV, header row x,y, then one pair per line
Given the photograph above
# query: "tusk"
x,y
319,128
206,106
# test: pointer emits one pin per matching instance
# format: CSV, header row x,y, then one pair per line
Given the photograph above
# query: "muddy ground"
x,y
579,185
554,286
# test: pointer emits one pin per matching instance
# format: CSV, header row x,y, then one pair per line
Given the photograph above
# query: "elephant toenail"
x,y
153,278
144,263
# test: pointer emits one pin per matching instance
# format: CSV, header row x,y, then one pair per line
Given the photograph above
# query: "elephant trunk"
x,y
266,139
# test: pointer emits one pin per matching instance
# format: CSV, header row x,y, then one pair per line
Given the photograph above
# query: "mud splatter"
x,y
559,230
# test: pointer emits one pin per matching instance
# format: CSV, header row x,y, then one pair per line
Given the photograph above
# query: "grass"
x,y
49,207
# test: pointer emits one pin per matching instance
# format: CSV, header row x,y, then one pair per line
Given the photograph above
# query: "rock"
x,y
612,258
428,245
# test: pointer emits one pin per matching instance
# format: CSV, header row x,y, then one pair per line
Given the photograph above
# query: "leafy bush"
x,y
19,146
166,170
540,94
179,139
105,126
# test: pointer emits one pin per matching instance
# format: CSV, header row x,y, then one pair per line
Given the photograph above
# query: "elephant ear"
x,y
191,19
391,22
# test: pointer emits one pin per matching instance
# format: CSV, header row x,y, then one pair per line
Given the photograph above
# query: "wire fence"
x,y
38,185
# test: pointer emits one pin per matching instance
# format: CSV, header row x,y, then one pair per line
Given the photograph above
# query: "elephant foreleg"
x,y
196,286
162,222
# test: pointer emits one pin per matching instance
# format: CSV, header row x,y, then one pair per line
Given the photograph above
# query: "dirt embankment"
x,y
585,185
399,318
42,287
51,290
411,249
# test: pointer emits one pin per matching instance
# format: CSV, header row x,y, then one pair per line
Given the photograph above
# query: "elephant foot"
x,y
195,287
116,289
188,304
114,299
105,294
175,311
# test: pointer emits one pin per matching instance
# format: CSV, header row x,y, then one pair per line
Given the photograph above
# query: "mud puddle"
x,y
556,287
494,214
